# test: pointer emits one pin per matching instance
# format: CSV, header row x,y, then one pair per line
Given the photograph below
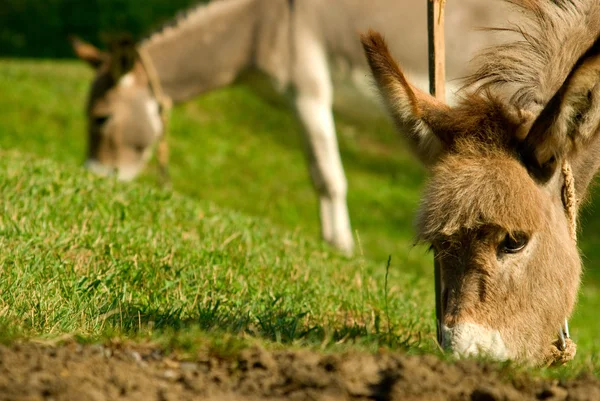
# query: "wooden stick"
x,y
437,87
437,51
439,308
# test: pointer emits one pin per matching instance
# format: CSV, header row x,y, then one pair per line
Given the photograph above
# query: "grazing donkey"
x,y
291,41
509,163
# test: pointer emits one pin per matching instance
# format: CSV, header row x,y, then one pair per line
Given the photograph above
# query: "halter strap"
x,y
569,199
166,104
565,347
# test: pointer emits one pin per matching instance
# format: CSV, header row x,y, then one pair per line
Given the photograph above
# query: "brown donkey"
x,y
510,163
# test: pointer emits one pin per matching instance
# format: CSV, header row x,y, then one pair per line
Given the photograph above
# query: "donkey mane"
x,y
479,181
195,15
552,36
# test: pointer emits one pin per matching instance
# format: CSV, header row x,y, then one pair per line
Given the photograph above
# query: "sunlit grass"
x,y
93,257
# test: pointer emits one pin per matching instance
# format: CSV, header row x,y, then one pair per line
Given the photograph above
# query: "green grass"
x,y
93,256
98,258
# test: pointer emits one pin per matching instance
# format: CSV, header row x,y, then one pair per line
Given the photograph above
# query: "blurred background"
x,y
34,28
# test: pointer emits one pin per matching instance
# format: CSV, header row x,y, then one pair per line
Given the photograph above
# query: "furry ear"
x,y
417,115
88,52
123,56
569,120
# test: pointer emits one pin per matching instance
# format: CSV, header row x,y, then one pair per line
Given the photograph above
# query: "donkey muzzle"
x,y
98,168
470,339
125,173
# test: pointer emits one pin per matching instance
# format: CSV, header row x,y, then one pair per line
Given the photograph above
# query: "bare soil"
x,y
72,371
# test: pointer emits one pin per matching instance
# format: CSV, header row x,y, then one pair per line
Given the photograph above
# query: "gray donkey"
x,y
293,42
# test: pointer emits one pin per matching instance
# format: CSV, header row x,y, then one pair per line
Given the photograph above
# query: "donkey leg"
x,y
314,94
326,171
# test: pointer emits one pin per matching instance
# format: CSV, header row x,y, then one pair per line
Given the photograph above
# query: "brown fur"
x,y
533,104
415,105
538,71
488,190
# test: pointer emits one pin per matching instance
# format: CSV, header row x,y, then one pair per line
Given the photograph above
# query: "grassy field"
x,y
235,248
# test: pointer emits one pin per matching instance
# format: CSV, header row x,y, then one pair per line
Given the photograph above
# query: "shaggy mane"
x,y
552,36
194,15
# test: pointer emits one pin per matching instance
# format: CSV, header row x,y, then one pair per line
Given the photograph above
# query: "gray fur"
x,y
227,36
212,44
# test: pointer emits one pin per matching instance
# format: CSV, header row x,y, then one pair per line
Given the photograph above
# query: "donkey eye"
x,y
513,243
100,120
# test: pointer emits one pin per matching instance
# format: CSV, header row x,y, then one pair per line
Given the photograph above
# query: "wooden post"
x,y
439,308
437,51
437,87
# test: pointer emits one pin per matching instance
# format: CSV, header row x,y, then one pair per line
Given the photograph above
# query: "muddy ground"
x,y
77,372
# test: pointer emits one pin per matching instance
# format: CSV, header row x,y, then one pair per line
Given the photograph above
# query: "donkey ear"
x,y
123,56
569,120
417,115
88,52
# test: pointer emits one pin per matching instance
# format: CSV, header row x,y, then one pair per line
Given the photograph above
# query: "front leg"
x,y
313,103
326,171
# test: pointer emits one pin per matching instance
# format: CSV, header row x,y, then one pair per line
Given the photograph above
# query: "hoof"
x,y
344,245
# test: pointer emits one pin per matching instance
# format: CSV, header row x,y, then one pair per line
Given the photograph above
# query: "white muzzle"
x,y
469,340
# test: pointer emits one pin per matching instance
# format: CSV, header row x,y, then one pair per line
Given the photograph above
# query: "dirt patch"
x,y
96,373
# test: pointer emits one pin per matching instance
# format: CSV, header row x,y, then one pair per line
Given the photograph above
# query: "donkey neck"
x,y
204,50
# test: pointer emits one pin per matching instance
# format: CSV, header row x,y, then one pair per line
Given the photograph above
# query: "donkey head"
x,y
123,115
494,208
